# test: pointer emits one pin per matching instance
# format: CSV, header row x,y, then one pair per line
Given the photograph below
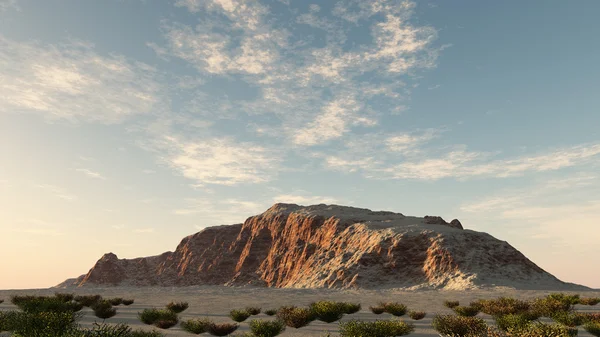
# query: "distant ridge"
x,y
331,246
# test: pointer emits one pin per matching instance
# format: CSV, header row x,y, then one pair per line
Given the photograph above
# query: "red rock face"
x,y
331,247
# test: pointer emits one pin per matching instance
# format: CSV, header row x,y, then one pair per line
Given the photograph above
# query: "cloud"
x,y
143,230
561,210
217,212
218,161
318,93
57,191
72,82
91,174
37,227
421,161
5,5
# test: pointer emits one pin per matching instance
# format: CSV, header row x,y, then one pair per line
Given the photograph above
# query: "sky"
x,y
126,125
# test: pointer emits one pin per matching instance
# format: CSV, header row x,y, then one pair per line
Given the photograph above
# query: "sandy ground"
x,y
215,303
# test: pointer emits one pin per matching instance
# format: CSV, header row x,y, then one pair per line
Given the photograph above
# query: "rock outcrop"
x,y
333,247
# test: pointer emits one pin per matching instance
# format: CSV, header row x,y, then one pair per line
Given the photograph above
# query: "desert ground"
x,y
215,303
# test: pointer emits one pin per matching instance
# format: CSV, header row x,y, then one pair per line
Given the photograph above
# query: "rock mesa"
x,y
329,246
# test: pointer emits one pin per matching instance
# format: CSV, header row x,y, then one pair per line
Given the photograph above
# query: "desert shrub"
x,y
593,328
378,309
379,328
253,310
152,316
177,307
295,317
262,328
466,311
502,306
582,301
239,315
1,301
64,297
350,308
40,323
512,321
459,325
591,316
166,323
451,304
104,310
270,312
196,326
537,329
548,306
416,315
222,329
395,308
88,300
327,311
128,301
104,330
116,301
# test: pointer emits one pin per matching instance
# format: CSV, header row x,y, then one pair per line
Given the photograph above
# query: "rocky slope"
x,y
334,247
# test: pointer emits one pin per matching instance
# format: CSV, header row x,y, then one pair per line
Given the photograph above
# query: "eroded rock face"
x,y
329,246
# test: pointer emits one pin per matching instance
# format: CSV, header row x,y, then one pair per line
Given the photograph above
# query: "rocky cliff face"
x,y
332,247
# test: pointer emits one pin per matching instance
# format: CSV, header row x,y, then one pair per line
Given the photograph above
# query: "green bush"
x,y
39,324
262,328
569,318
502,306
451,304
270,312
153,316
33,304
166,323
591,317
327,311
395,308
222,329
564,298
350,308
144,333
88,300
104,310
377,310
128,301
196,326
593,328
295,317
239,315
379,328
466,311
64,297
459,325
177,307
512,321
416,315
1,301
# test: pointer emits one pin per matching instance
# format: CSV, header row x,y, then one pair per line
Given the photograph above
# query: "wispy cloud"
x,y
5,5
72,82
219,161
91,174
36,227
218,212
143,230
57,191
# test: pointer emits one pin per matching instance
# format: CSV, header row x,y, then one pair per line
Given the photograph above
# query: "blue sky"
x,y
126,125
